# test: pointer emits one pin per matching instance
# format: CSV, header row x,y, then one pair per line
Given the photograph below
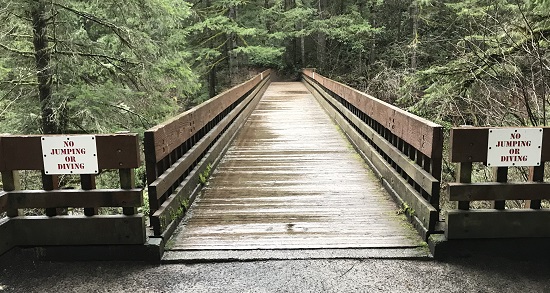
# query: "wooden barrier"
x,y
470,145
405,150
182,150
120,151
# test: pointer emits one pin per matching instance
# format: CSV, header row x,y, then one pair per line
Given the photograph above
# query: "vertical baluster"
x,y
536,174
87,182
464,176
50,182
127,181
500,175
11,182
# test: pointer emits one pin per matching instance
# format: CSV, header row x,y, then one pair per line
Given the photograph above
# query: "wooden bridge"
x,y
267,169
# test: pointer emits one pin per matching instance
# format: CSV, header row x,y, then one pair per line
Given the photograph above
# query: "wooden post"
x,y
127,181
11,182
501,175
536,174
50,182
464,176
87,182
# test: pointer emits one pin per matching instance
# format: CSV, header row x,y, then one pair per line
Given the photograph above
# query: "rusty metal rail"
x,y
470,145
180,153
405,150
119,151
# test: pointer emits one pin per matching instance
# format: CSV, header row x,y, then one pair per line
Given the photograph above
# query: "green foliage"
x,y
203,177
115,65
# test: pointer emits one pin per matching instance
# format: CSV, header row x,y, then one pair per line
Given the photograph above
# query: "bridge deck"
x,y
291,180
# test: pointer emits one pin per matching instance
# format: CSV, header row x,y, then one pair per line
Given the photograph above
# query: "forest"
x,y
101,66
70,66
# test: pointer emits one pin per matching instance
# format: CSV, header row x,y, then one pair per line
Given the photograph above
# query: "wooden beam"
x,y
74,198
498,191
511,223
79,230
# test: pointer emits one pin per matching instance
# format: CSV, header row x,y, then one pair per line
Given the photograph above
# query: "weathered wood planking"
x,y
469,144
291,180
115,151
511,223
422,134
73,198
498,191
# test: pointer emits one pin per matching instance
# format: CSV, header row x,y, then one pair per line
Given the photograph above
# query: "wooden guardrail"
x,y
405,150
181,152
470,145
120,151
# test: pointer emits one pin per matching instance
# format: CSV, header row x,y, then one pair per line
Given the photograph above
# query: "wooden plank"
x,y
511,223
167,179
421,133
499,191
172,133
166,213
7,237
469,144
79,230
114,151
423,210
414,171
74,198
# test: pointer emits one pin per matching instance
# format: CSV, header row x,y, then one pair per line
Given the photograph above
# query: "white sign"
x,y
69,154
514,147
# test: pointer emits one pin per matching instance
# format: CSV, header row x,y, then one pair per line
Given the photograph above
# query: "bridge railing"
x,y
470,145
180,153
120,151
405,150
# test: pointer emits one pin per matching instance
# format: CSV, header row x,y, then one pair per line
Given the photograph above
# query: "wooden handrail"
x,y
405,150
176,151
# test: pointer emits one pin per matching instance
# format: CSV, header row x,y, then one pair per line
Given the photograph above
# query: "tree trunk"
x,y
233,61
43,60
212,82
321,38
414,43
302,48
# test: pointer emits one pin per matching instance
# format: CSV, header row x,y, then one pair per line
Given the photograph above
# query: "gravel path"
x,y
21,274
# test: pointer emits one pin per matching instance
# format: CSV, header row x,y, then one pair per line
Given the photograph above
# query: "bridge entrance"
x,y
291,180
